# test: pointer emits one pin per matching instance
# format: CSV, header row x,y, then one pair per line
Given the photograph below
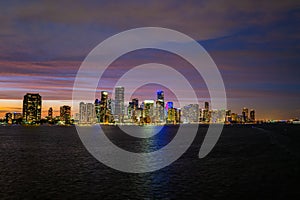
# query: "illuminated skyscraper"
x,y
135,103
17,118
148,112
190,113
90,112
206,105
8,118
104,99
119,103
245,114
103,106
169,105
50,113
132,110
234,117
17,115
160,102
32,108
252,115
82,113
173,116
228,116
205,113
97,109
65,114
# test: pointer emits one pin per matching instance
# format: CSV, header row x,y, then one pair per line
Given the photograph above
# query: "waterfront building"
x,y
65,114
173,116
160,102
90,113
119,103
252,115
32,108
97,105
169,105
82,113
86,113
17,116
50,113
190,113
205,113
228,116
245,115
8,118
148,111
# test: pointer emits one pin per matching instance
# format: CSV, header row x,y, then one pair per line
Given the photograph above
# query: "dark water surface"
x,y
248,162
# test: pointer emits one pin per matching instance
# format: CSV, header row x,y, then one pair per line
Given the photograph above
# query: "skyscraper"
x,y
245,114
206,105
90,112
132,109
97,109
82,113
103,106
86,113
169,105
32,108
65,114
190,113
119,103
160,102
173,116
8,118
252,115
50,113
148,111
205,113
135,103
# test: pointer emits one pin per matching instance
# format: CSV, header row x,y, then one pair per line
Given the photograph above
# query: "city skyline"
x,y
113,111
254,45
108,96
56,112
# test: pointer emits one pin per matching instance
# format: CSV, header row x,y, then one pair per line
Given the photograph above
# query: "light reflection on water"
x,y
52,163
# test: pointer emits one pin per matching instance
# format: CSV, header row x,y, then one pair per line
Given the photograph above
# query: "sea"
x,y
260,161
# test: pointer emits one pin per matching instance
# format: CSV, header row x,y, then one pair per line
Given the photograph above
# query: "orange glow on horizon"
x,y
13,105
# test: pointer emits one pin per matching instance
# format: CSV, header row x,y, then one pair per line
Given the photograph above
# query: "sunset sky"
x,y
255,44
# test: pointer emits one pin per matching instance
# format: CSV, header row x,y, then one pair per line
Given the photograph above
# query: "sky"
x,y
255,45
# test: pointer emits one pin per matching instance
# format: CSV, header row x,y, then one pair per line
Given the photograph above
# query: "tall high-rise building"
x,y
206,105
97,109
205,113
132,110
32,108
103,106
112,106
173,116
252,115
50,113
169,105
90,112
119,103
17,115
148,112
86,113
160,102
104,99
65,114
245,114
190,113
8,118
234,117
135,103
82,113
